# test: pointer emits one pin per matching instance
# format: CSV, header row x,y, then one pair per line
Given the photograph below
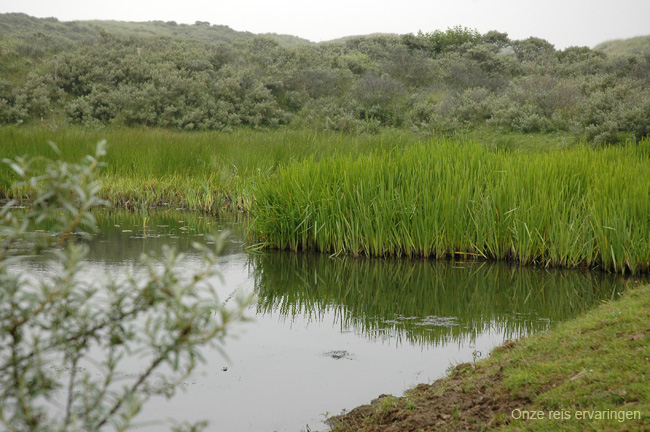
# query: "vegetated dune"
x,y
625,47
209,77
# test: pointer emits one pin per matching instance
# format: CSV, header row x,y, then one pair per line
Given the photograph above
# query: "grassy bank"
x,y
577,207
589,374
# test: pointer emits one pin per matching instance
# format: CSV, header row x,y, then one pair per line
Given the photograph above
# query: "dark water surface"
x,y
332,333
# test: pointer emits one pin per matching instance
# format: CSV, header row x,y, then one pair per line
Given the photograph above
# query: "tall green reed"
x,y
209,171
578,207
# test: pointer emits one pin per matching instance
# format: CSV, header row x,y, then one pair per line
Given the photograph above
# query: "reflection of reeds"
x,y
122,237
423,301
570,208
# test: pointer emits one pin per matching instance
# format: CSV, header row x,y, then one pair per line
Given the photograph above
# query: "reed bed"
x,y
207,171
578,207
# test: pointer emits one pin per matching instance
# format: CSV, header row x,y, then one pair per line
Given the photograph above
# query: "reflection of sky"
x,y
280,375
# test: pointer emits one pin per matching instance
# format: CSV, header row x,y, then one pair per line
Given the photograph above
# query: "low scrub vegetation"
x,y
438,82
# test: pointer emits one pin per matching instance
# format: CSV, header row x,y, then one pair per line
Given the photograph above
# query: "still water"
x,y
329,334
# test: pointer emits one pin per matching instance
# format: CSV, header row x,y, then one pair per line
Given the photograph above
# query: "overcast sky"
x,y
562,22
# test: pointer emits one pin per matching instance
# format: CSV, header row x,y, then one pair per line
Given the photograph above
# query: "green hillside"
x,y
625,47
21,28
207,77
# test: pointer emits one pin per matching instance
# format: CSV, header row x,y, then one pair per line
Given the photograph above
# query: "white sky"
x,y
562,22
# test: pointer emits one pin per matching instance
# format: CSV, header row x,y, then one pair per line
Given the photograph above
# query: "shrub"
x,y
318,82
636,114
534,50
549,93
607,103
442,41
59,323
380,98
337,115
413,68
462,71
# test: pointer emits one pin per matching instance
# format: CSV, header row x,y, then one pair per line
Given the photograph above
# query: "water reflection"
x,y
418,301
124,236
421,302
346,318
425,302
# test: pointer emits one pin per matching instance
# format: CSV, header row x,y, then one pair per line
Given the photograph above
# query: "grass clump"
x,y
577,207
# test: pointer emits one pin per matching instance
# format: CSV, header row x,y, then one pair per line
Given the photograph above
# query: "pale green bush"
x,y
51,326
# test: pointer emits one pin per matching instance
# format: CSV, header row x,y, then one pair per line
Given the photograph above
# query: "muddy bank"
x,y
449,403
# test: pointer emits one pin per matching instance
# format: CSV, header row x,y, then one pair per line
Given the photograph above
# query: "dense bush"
x,y
335,115
443,80
380,98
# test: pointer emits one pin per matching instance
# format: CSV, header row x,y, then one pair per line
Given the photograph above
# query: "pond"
x,y
331,333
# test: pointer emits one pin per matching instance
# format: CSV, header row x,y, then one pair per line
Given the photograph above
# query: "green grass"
x,y
625,47
596,363
495,138
577,207
23,27
209,171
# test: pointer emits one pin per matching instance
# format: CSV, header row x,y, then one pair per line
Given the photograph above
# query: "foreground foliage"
x,y
66,339
569,208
